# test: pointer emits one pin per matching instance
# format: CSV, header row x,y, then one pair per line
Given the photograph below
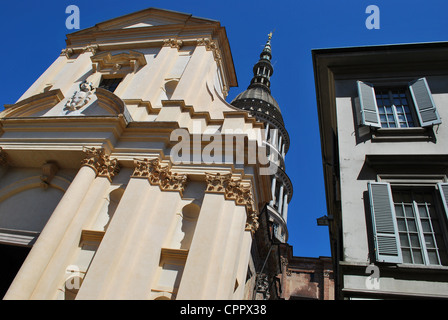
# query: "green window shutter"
x,y
424,104
443,188
367,104
384,223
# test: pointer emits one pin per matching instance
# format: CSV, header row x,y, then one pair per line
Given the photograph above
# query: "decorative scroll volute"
x,y
103,165
159,175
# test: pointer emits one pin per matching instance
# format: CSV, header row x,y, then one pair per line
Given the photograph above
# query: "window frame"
x,y
108,78
409,100
418,90
418,219
415,182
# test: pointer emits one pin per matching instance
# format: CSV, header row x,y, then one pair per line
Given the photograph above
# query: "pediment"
x,y
151,17
33,106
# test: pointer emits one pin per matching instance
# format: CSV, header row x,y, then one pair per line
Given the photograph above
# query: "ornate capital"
x,y
216,182
234,189
173,43
67,52
159,175
252,223
92,48
210,45
101,163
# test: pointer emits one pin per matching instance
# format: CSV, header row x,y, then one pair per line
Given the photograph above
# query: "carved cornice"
x,y
103,165
234,189
159,175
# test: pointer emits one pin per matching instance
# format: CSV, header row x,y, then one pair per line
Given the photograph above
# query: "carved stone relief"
x,y
234,189
173,43
101,163
80,98
210,45
160,175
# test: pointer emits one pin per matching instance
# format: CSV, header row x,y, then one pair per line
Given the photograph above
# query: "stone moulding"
x,y
159,175
106,60
31,105
103,165
234,189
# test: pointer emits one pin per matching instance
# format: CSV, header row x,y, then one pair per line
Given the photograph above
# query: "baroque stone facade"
x,y
91,192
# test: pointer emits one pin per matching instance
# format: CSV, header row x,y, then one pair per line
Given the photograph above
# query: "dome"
x,y
258,101
257,94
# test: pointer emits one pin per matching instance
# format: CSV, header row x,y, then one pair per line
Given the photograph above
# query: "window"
x,y
408,223
393,108
110,84
419,229
403,107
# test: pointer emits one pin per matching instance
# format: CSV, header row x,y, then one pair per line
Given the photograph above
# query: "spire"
x,y
263,69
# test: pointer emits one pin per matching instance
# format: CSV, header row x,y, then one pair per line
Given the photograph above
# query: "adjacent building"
x,y
305,278
383,117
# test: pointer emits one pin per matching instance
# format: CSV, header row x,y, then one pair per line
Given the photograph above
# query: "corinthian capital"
x,y
210,45
103,165
159,175
217,182
173,43
234,189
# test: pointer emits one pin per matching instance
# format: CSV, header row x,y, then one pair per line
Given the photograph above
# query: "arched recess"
x,y
25,207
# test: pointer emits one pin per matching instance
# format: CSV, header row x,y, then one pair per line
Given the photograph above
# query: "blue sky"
x,y
33,34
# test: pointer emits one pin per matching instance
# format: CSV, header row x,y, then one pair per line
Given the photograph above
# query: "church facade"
x,y
126,175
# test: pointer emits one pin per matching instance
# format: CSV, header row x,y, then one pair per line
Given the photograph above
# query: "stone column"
x,y
243,264
55,272
212,264
274,181
128,257
285,208
327,286
25,285
280,200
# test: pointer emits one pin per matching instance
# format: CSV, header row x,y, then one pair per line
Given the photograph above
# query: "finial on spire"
x,y
270,35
